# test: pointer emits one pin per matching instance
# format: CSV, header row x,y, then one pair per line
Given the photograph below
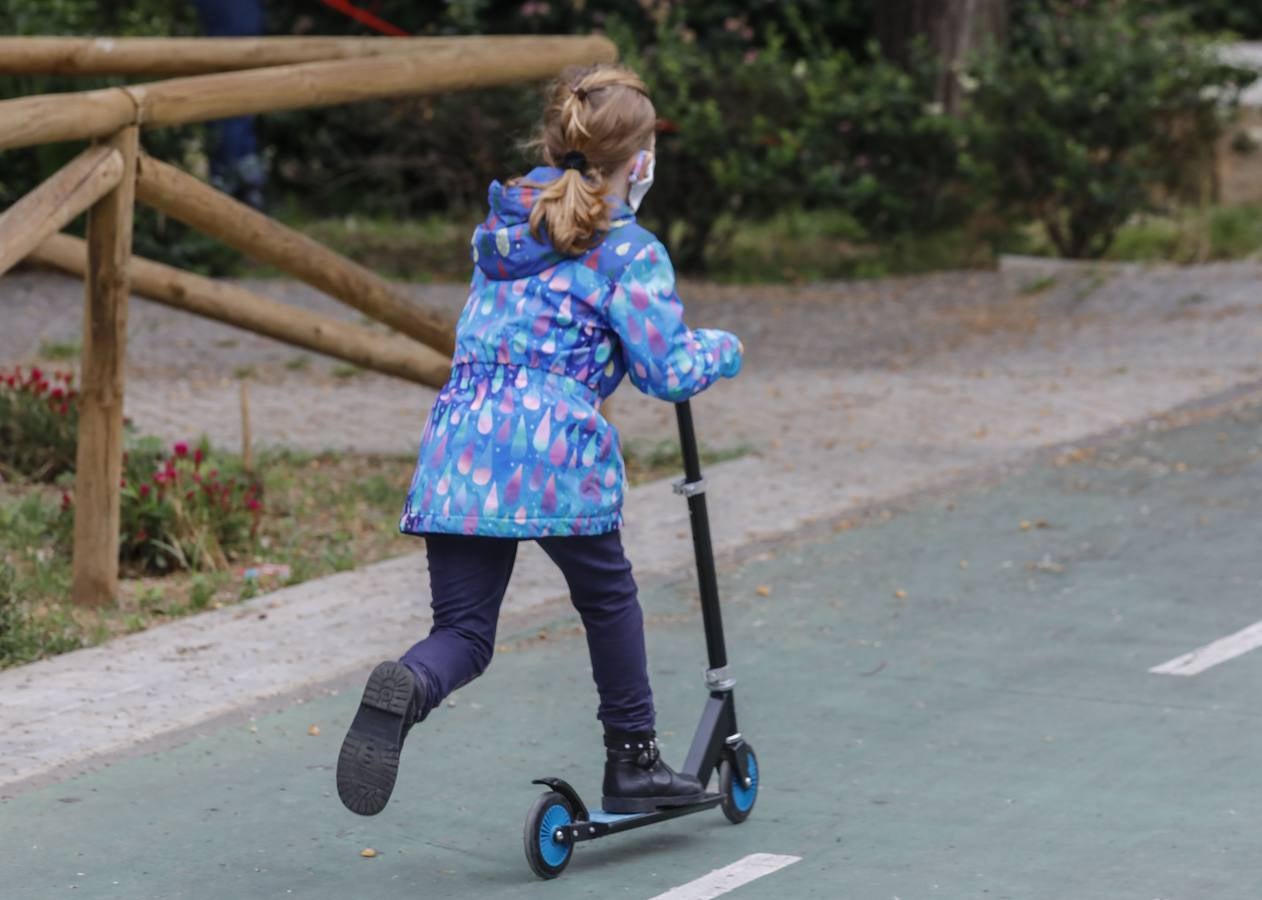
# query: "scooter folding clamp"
x,y
689,488
719,679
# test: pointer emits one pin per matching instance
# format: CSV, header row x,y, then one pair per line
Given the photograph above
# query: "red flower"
x,y
36,374
198,456
253,505
142,536
181,449
144,490
57,394
65,500
64,409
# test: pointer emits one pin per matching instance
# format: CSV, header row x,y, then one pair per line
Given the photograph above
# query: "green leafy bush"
x,y
1096,114
753,129
39,424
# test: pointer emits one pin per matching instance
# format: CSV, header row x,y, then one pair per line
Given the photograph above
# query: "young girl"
x,y
568,295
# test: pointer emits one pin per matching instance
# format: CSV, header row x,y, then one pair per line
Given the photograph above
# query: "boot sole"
x,y
647,804
368,763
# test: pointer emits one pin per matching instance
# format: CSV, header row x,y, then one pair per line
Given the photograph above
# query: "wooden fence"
x,y
224,77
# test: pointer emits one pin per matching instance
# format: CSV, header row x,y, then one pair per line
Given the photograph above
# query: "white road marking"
x,y
1219,651
729,878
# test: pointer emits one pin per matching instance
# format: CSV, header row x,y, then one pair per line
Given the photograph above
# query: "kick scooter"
x,y
559,819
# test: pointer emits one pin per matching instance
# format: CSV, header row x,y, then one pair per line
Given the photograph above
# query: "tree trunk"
x,y
953,30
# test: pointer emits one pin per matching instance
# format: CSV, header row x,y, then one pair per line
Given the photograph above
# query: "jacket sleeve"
x,y
664,357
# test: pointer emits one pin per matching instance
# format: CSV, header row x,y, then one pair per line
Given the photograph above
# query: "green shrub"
x,y
39,424
1094,115
754,129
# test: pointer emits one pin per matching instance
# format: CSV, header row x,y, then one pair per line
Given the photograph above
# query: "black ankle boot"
x,y
636,779
369,762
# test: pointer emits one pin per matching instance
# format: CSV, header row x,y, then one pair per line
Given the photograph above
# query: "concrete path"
x,y
955,701
854,394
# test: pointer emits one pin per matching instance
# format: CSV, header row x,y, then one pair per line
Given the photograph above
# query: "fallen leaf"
x,y
368,853
314,730
900,594
763,590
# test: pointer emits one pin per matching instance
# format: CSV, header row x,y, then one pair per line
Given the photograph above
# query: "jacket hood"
x,y
503,247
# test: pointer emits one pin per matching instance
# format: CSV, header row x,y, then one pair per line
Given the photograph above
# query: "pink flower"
x,y
181,449
198,456
253,505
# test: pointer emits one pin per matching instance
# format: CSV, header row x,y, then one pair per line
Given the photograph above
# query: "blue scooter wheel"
x,y
738,797
547,856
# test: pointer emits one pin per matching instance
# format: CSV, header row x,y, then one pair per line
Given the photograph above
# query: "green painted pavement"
x,y
926,728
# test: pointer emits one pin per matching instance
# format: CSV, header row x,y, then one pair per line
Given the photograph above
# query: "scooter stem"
x,y
693,487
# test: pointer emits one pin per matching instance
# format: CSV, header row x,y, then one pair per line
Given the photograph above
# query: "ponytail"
x,y
597,119
573,211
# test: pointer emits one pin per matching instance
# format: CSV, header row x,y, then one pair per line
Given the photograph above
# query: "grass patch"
x,y
345,370
1183,237
322,514
1038,285
432,248
798,246
298,363
60,350
651,461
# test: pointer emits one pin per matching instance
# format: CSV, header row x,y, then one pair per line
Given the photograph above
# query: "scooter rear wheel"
x,y
547,856
738,798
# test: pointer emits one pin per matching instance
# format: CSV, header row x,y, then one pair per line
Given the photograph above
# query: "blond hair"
x,y
604,113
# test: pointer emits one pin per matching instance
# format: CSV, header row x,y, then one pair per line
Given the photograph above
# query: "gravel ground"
x,y
957,367
953,360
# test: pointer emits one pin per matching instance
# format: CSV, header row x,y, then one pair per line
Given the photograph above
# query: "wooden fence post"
x,y
100,456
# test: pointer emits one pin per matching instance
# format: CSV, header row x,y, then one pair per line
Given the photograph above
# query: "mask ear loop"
x,y
641,163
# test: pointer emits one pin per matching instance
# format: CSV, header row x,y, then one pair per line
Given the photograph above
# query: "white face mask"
x,y
641,179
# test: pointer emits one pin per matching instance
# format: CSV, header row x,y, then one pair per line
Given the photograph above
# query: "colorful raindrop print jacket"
x,y
515,445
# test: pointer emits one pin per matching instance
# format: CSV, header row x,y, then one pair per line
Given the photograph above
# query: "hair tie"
x,y
574,160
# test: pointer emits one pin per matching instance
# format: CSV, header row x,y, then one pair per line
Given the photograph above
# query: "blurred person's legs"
x,y
236,167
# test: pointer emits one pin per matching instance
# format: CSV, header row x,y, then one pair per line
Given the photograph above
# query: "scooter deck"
x,y
599,823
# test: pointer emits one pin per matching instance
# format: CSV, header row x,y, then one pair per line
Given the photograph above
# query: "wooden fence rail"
x,y
51,206
201,55
243,308
267,74
200,206
473,63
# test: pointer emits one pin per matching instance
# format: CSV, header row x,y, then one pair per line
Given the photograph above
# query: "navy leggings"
x,y
468,577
